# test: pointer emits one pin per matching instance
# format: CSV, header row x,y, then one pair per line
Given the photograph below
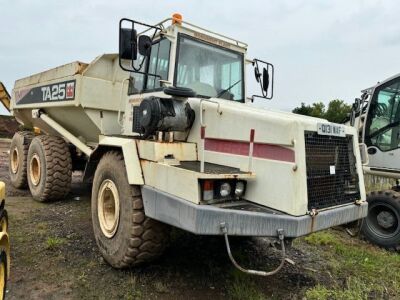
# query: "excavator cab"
x,y
376,115
381,130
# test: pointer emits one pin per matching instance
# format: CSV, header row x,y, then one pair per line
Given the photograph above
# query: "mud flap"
x,y
5,96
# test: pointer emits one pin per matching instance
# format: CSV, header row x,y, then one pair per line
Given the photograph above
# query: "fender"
x,y
129,151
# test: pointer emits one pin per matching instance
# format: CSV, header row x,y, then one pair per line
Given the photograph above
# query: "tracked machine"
x,y
166,135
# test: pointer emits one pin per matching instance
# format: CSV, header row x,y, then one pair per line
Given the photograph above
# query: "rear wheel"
x,y
18,158
124,234
49,168
382,224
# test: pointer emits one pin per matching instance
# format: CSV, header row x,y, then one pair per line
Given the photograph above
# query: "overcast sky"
x,y
321,50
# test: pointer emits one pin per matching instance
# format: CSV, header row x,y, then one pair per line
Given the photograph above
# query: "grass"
x,y
160,287
134,291
243,287
321,238
53,243
355,289
360,270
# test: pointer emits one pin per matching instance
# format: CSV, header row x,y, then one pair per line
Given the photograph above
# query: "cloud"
x,y
321,49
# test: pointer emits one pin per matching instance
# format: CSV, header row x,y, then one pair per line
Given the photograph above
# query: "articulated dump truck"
x,y
166,135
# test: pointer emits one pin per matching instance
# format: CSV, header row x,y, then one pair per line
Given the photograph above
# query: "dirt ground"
x,y
54,256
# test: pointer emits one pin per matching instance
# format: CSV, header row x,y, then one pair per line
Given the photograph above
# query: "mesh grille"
x,y
332,177
136,120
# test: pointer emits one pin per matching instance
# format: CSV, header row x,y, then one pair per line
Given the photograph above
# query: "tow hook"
x,y
281,238
358,202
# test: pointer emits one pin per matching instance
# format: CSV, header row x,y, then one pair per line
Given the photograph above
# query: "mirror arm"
x,y
133,22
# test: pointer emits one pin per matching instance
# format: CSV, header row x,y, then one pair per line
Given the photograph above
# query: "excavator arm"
x,y
5,96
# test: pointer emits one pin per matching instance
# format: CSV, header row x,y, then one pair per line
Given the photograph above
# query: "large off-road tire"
x,y
123,233
17,163
49,168
382,224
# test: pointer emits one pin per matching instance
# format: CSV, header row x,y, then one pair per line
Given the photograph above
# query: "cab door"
x,y
382,129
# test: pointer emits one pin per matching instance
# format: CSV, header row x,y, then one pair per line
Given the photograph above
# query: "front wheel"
x,y
124,235
382,224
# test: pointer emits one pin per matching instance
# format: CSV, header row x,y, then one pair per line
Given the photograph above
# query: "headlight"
x,y
225,189
239,190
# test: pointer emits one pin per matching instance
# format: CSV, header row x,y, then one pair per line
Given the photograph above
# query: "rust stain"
x,y
313,215
81,67
312,223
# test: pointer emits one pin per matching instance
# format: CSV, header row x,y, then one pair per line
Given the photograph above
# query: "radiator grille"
x,y
332,177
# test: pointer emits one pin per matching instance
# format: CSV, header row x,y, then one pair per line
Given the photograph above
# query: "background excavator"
x,y
376,115
4,96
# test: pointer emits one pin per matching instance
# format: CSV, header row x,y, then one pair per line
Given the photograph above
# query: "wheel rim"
x,y
2,278
4,224
34,170
14,160
383,220
108,208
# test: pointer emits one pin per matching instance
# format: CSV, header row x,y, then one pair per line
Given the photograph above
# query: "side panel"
x,y
131,157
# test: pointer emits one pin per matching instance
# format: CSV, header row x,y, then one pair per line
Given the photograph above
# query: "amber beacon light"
x,y
177,19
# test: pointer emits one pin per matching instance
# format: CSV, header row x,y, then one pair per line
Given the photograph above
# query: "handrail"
x,y
203,129
120,100
226,38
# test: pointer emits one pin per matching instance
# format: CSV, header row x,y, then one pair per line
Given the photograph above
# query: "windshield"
x,y
209,70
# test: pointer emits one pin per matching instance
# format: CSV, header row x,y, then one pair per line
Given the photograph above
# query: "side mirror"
x,y
265,79
144,45
127,44
257,73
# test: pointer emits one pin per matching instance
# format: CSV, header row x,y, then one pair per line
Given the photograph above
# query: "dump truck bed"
x,y
63,71
83,98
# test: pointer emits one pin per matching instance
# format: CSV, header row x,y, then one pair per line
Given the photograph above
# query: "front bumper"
x,y
207,219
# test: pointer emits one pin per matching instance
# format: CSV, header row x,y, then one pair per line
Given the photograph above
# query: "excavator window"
x,y
383,127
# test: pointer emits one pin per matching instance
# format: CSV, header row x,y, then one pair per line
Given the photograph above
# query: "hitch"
x,y
281,237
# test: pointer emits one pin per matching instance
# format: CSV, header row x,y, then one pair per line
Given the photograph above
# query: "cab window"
x,y
158,64
384,117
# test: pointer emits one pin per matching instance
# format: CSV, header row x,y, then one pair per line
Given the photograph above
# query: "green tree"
x,y
303,109
337,111
317,110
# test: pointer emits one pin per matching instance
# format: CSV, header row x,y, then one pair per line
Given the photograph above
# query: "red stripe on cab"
x,y
266,151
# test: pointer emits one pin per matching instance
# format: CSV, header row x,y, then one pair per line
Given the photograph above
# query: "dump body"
x,y
83,98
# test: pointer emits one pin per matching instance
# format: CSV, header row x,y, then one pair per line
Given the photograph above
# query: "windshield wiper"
x,y
226,90
384,128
